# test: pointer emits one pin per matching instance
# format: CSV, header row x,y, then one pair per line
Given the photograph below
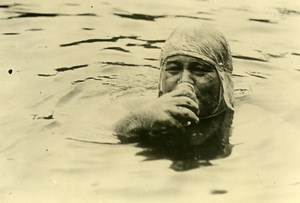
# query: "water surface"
x,y
70,69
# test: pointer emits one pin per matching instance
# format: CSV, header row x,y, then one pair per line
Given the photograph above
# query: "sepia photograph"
x,y
145,101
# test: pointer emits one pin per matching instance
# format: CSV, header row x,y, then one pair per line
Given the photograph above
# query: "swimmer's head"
x,y
199,55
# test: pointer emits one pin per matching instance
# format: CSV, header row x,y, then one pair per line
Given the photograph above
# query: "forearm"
x,y
131,127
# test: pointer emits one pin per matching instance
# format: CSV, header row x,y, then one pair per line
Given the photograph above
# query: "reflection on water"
x,y
71,69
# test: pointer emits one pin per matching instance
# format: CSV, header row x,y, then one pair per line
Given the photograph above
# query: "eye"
x,y
173,68
201,69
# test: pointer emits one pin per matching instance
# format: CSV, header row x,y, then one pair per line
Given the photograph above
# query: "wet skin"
x,y
176,108
197,72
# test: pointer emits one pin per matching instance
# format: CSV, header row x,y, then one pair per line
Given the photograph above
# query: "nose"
x,y
186,77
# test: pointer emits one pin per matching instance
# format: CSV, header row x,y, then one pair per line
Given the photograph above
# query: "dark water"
x,y
69,70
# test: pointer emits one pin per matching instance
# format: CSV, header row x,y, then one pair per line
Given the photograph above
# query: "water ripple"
x,y
9,5
34,29
34,15
10,33
285,11
112,39
146,45
88,78
147,17
151,59
63,69
86,14
128,64
117,49
87,28
49,117
262,20
296,54
256,74
250,58
138,16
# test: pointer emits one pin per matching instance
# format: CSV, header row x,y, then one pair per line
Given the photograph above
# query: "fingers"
x,y
184,115
166,125
184,93
175,124
188,103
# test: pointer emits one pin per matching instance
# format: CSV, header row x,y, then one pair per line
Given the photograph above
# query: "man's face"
x,y
201,74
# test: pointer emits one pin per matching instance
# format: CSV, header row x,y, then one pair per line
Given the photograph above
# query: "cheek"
x,y
168,82
208,88
208,82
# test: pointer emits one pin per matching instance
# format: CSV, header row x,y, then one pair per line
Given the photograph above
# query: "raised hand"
x,y
171,112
